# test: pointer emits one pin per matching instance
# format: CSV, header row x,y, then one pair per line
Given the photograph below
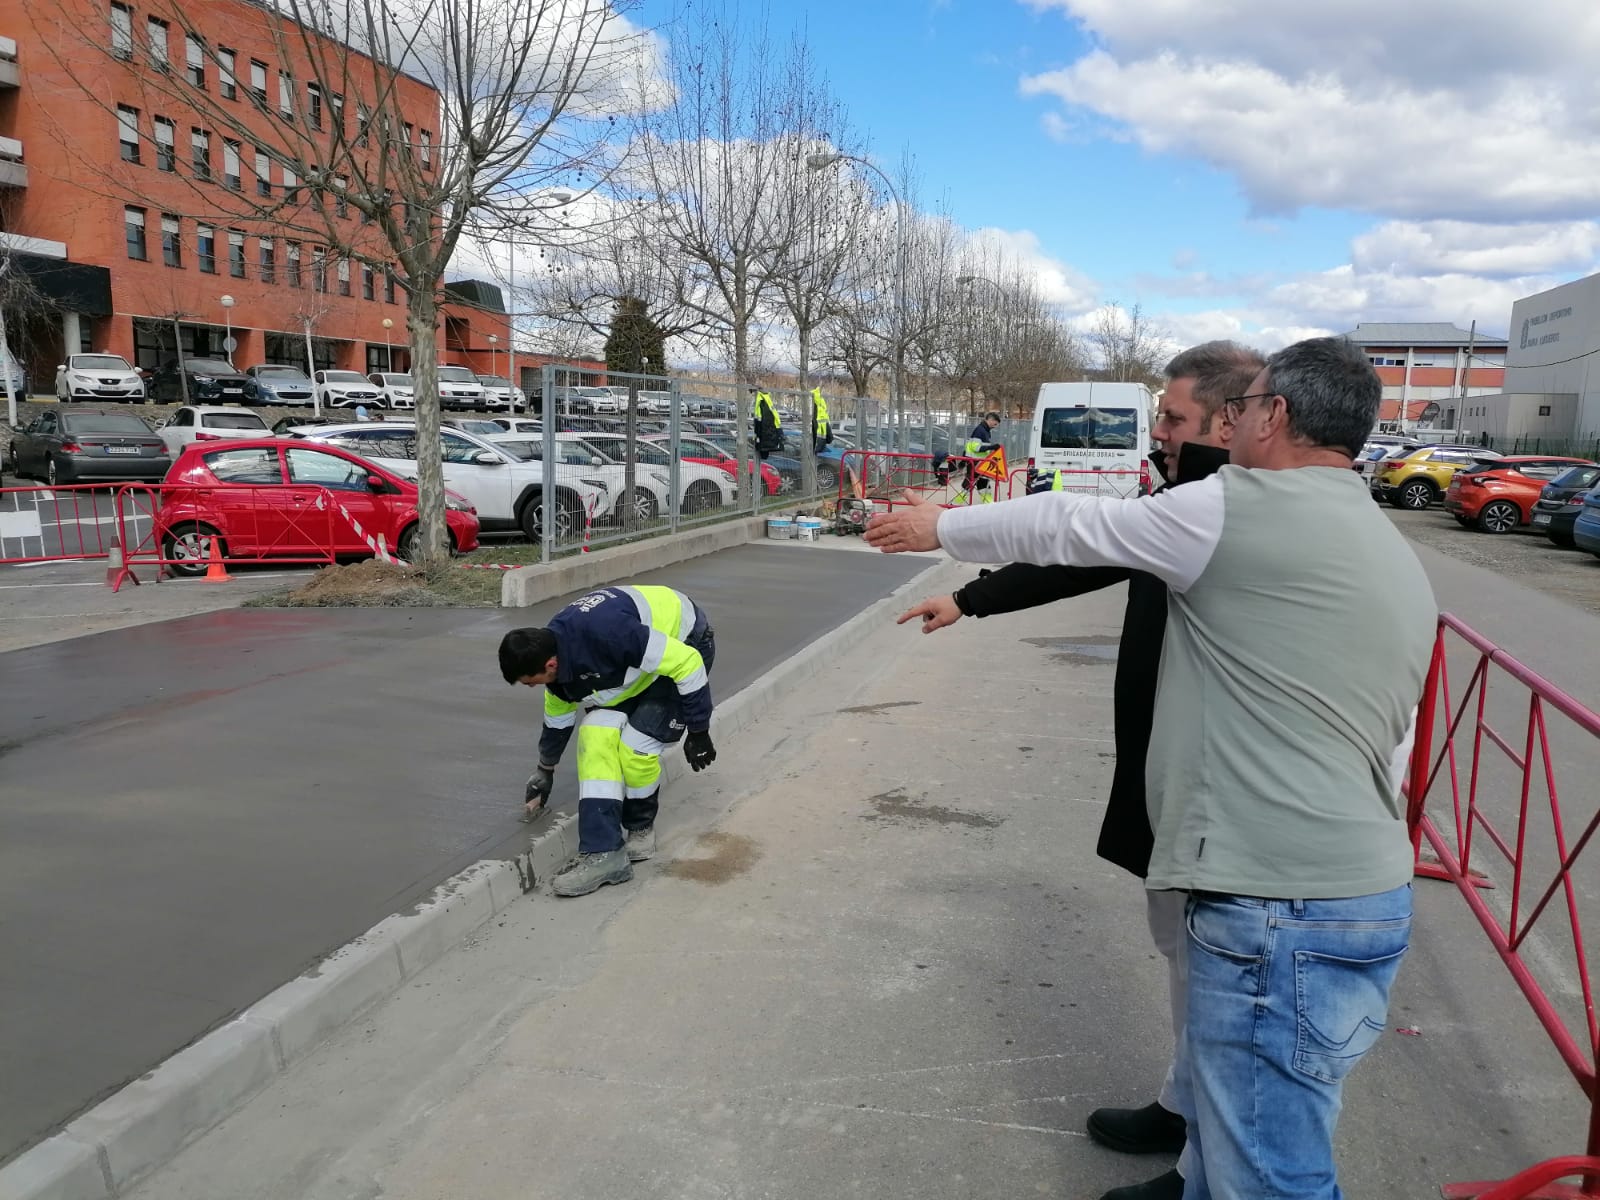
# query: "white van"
x,y
1089,429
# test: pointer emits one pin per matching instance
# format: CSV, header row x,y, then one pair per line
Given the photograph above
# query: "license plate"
x,y
122,449
1541,518
232,391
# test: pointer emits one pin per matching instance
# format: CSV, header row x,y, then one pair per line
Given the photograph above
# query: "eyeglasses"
x,y
1233,406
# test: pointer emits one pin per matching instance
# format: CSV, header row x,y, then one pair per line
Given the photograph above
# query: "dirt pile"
x,y
367,584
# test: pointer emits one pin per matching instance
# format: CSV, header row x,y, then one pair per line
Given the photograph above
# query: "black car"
x,y
68,447
1560,501
211,381
273,383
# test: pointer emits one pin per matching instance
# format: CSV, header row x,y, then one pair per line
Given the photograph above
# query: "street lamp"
x,y
227,317
494,363
821,162
388,346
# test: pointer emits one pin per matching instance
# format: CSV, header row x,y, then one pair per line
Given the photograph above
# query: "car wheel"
x,y
569,517
703,496
644,505
187,548
1416,495
827,479
1500,517
409,547
787,483
50,475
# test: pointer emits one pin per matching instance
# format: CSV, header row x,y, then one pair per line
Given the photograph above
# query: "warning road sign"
x,y
994,467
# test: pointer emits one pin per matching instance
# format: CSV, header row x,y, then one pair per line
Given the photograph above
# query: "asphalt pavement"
x,y
193,812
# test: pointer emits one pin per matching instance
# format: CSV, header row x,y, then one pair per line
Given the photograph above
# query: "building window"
x,y
344,277
363,125
155,33
319,269
1544,410
269,261
291,183
258,79
195,53
410,139
133,223
171,244
122,31
263,174
368,282
226,84
128,132
314,105
427,150
236,253
388,287
205,243
200,142
166,145
231,177
336,105
341,197
291,262
285,95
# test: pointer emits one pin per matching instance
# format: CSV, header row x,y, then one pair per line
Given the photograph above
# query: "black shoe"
x,y
1148,1130
1162,1187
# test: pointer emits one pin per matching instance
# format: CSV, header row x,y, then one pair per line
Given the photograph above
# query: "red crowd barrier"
x,y
70,523
1459,736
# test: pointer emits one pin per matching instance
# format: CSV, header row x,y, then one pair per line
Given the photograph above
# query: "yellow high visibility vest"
x,y
822,412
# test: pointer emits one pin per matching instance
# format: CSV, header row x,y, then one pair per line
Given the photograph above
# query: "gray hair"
x,y
1332,390
1219,370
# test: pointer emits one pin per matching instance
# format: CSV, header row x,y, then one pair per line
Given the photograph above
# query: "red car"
x,y
278,517
1498,496
698,450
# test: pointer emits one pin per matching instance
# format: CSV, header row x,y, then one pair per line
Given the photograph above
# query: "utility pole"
x,y
1466,370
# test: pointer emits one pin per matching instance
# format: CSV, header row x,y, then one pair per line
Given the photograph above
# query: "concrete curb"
x,y
524,586
116,1144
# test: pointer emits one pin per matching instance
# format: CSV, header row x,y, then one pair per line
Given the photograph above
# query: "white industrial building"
x,y
1552,381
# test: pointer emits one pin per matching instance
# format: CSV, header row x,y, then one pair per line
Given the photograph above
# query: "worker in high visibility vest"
x,y
638,659
823,428
765,425
1046,481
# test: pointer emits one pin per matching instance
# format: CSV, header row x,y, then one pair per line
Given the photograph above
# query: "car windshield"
x,y
343,377
651,454
402,381
1577,477
102,423
1089,429
233,420
591,392
479,426
521,451
498,381
281,372
209,366
457,375
100,362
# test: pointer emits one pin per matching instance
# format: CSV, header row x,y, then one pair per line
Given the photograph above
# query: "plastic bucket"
x,y
780,529
808,529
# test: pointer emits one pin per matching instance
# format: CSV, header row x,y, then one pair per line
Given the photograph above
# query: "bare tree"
x,y
1131,346
526,99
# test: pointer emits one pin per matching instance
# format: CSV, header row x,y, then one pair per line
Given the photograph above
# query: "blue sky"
x,y
1261,172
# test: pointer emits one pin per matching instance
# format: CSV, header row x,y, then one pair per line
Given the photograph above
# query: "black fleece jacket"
x,y
1125,835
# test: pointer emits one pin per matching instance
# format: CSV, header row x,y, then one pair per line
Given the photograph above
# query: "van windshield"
x,y
1089,429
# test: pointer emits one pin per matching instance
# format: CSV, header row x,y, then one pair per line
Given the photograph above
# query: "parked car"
x,y
203,423
1586,529
1560,501
596,400
1419,478
522,425
285,426
277,383
82,447
499,392
278,517
697,449
459,388
507,493
211,381
700,488
829,461
788,469
395,389
1497,497
572,457
94,377
346,389
482,426
585,425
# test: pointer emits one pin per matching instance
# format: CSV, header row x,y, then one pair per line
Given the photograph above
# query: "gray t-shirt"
x,y
1298,639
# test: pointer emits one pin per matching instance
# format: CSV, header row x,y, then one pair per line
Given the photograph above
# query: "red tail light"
x,y
71,448
1479,480
208,437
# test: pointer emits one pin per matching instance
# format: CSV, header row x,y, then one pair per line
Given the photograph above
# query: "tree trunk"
x,y
630,458
743,407
183,375
422,321
808,435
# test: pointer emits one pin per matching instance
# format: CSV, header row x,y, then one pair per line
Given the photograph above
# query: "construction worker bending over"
x,y
638,659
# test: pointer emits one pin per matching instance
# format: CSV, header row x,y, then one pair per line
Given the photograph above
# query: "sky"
x,y
1258,169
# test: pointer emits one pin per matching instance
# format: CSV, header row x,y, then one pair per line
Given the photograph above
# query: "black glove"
x,y
540,784
698,751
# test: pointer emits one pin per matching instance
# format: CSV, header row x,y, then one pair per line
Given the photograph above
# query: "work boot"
x,y
1162,1187
1148,1130
592,872
641,843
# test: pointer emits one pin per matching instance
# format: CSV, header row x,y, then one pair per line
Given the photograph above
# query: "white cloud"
x,y
1494,250
1059,283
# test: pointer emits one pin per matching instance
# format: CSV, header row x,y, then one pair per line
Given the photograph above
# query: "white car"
x,y
459,388
498,392
597,400
346,389
701,488
208,423
522,425
397,390
97,377
507,492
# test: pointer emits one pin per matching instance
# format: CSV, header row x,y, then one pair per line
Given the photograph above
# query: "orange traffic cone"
x,y
215,571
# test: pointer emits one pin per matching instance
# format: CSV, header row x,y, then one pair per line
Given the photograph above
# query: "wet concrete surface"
x,y
193,812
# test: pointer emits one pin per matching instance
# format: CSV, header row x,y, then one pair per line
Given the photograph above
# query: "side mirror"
x,y
487,458
61,366
597,461
376,484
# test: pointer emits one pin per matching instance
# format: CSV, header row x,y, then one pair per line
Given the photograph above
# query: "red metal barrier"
x,y
252,523
1543,709
1123,483
71,523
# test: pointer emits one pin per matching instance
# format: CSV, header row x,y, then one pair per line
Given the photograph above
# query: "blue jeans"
x,y
1285,996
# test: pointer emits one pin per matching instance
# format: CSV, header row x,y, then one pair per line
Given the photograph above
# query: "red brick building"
x,y
1426,370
